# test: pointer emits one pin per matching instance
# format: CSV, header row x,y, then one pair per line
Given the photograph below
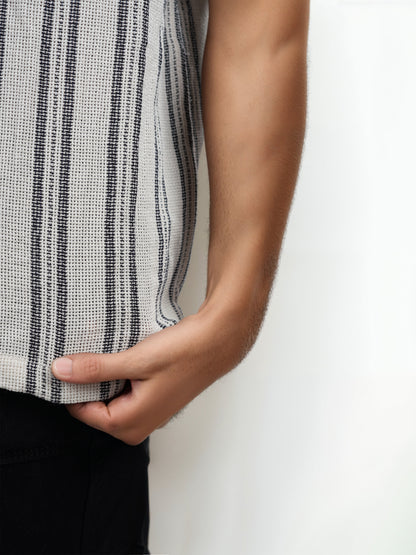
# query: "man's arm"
x,y
254,87
254,105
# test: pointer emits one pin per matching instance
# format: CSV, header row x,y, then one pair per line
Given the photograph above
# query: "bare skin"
x,y
254,94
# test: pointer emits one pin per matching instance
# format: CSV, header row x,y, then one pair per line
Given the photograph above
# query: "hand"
x,y
166,371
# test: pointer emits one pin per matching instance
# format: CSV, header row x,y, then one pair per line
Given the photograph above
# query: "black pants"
x,y
66,487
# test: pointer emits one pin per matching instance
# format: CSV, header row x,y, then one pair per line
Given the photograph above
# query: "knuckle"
x,y
91,368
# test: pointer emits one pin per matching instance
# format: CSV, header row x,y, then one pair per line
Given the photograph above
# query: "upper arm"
x,y
257,24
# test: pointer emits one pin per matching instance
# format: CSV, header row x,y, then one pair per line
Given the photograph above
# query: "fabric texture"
x,y
66,487
100,136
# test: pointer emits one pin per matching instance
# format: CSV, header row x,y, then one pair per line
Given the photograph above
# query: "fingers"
x,y
139,362
131,416
97,367
126,417
158,389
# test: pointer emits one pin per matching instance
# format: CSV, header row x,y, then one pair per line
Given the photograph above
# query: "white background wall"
x,y
309,445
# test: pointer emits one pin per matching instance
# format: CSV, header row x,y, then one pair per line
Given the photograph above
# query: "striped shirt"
x,y
100,136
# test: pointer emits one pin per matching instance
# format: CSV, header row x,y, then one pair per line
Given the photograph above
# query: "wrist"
x,y
238,312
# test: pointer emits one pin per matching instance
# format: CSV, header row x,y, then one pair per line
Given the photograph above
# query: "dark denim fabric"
x,y
66,487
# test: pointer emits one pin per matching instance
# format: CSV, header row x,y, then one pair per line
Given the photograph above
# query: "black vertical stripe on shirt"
x,y
193,38
189,192
63,191
180,147
193,80
111,189
174,131
124,209
3,17
49,186
134,303
192,116
163,220
37,198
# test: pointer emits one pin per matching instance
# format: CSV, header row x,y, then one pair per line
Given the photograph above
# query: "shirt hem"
x,y
14,373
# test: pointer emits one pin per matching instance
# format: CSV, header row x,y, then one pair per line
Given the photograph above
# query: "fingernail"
x,y
62,367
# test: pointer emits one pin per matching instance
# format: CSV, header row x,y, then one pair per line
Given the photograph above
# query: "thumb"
x,y
96,367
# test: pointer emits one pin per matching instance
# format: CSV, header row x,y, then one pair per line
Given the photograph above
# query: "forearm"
x,y
254,109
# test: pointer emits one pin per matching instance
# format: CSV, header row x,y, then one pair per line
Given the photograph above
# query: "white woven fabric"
x,y
100,136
